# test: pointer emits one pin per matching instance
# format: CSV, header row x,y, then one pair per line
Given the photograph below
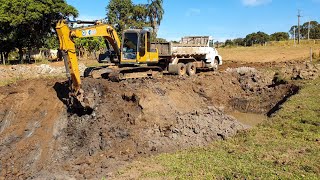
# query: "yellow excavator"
x,y
133,58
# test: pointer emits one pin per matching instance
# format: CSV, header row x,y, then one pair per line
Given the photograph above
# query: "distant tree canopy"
x,y
257,38
261,37
239,42
29,23
92,44
314,30
123,14
229,42
279,36
161,40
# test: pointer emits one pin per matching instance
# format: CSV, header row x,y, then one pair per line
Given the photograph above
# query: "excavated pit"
x,y
41,138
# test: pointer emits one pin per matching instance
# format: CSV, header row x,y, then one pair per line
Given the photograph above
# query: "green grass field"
x,y
285,147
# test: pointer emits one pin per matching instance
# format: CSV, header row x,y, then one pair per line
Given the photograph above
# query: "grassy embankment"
x,y
270,53
285,147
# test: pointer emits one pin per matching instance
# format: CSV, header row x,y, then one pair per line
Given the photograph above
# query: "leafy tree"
x,y
314,30
7,43
30,22
91,45
161,40
257,38
292,33
51,42
119,14
279,36
140,16
239,42
155,13
229,42
123,14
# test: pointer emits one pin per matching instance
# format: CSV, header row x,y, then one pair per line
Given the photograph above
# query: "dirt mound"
x,y
41,139
34,71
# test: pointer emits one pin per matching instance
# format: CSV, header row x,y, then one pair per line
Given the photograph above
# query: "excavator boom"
x,y
68,49
79,98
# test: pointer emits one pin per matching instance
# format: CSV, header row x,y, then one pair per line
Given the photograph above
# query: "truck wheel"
x,y
216,61
191,69
181,70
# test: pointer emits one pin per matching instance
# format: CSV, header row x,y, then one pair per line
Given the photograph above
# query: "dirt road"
x,y
39,138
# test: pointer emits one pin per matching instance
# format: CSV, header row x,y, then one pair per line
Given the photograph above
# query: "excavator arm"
x,y
67,46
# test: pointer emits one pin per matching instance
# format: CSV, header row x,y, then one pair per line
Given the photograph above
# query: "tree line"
x,y
30,24
313,30
124,14
309,29
257,38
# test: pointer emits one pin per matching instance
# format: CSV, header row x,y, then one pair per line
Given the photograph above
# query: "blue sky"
x,y
222,19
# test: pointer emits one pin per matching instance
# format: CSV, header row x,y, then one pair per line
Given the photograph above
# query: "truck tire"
x,y
191,69
216,61
181,70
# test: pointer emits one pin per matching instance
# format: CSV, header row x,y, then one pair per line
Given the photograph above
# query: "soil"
x,y
56,69
270,53
41,139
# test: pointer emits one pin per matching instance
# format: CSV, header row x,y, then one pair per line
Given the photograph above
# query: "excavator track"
x,y
124,73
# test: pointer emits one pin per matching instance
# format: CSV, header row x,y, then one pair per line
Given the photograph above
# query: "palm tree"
x,y
155,13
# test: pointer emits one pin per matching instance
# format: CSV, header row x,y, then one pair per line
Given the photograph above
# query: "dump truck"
x,y
190,54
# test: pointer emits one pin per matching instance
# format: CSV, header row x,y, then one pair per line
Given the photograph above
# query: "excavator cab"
x,y
136,47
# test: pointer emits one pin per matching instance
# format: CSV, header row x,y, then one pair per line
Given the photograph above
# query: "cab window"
x,y
142,48
149,42
130,45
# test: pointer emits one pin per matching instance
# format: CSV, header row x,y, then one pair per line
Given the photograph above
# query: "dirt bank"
x,y
16,72
40,139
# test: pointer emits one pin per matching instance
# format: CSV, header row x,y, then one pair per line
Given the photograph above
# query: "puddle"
x,y
249,119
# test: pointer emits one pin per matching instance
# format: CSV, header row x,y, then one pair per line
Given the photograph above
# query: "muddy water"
x,y
249,119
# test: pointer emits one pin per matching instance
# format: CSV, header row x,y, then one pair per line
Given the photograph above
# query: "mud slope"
x,y
29,116
39,139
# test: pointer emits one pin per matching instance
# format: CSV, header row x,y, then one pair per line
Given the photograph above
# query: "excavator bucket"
x,y
82,103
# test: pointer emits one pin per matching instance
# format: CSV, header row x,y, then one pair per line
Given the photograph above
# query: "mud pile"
x,y
40,139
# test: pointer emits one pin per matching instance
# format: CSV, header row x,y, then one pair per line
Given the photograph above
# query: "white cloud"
x,y
193,11
255,2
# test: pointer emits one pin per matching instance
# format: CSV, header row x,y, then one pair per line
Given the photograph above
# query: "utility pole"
x,y
309,31
299,16
294,36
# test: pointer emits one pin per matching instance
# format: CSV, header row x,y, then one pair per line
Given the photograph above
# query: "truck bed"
x,y
175,49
